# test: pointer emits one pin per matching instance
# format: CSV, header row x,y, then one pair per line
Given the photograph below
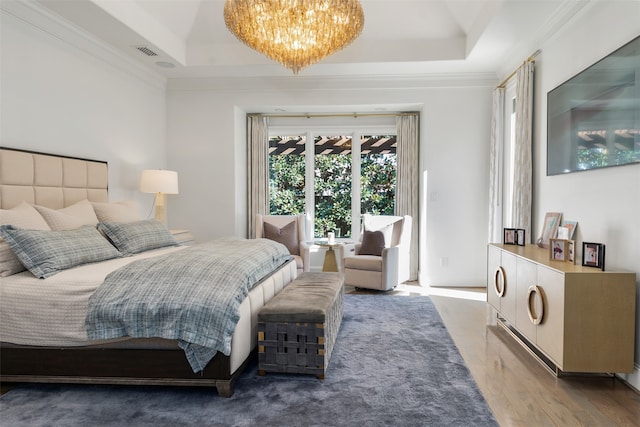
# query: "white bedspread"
x,y
52,311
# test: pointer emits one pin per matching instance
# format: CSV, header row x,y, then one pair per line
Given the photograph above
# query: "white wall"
x,y
202,138
605,202
206,134
455,135
59,98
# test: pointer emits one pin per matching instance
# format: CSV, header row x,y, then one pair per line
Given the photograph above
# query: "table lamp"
x,y
160,182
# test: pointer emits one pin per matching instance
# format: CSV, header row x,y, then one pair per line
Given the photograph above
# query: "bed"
x,y
41,328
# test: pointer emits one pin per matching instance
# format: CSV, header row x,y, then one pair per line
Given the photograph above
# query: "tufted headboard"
x,y
50,180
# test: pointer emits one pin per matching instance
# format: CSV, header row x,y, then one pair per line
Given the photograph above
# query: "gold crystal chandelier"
x,y
296,33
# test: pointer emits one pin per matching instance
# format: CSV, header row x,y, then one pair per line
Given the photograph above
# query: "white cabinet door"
x,y
509,296
550,333
494,277
501,282
527,277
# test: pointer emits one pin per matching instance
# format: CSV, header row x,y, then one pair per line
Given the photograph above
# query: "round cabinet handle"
x,y
499,281
535,293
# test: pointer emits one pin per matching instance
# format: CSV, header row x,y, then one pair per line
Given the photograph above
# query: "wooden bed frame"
x,y
85,365
38,178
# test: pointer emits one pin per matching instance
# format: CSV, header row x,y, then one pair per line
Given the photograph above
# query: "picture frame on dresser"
x,y
570,227
571,251
593,255
549,228
509,236
558,249
562,250
521,237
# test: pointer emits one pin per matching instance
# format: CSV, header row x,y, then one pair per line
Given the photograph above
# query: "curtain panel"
x,y
495,166
408,179
257,169
522,187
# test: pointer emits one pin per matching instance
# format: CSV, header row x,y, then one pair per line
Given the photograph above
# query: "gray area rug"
x,y
394,364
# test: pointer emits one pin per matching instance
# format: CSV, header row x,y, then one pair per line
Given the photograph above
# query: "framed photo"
x,y
571,251
559,249
571,229
509,236
520,237
549,228
593,255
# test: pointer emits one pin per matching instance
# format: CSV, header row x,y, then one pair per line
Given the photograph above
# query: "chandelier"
x,y
295,33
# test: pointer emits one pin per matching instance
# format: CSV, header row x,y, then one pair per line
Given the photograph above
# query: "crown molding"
x,y
31,13
568,11
312,84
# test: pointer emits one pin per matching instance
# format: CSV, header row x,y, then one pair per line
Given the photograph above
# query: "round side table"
x,y
330,262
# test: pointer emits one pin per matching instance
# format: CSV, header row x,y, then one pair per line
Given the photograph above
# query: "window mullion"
x,y
309,180
355,185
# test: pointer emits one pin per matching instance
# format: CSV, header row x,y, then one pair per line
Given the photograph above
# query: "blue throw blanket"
x,y
192,295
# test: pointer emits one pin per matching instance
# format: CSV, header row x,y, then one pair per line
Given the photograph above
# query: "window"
x,y
339,189
509,154
378,174
287,175
332,186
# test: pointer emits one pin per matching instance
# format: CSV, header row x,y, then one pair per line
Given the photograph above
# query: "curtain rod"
x,y
532,58
354,115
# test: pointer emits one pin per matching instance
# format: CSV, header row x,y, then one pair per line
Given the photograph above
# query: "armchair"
x,y
381,259
288,230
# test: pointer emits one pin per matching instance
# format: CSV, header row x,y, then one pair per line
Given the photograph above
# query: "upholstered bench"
x,y
298,327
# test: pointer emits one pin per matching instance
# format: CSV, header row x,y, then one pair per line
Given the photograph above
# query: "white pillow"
x,y
24,216
74,216
123,211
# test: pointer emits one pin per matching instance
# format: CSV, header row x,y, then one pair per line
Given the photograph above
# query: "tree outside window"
x,y
286,175
333,181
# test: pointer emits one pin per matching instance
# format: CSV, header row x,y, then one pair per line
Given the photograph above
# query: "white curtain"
x,y
495,166
257,169
517,203
408,178
522,169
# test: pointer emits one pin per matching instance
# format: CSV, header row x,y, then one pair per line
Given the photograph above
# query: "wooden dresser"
x,y
572,318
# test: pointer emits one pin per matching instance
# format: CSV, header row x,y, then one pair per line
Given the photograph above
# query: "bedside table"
x,y
183,237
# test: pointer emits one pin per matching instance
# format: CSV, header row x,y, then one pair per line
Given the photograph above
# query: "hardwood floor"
x,y
518,389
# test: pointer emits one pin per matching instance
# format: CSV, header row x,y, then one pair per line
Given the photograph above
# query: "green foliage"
x,y
378,183
622,157
592,158
286,184
332,194
600,157
332,188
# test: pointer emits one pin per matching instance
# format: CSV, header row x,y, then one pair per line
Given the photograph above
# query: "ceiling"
x,y
400,37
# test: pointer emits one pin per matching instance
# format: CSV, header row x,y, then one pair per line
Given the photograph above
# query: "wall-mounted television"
x,y
593,119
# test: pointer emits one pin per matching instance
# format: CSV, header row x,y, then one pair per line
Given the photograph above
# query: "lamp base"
x,y
160,211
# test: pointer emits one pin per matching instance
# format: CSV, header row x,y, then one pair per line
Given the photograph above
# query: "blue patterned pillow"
x,y
45,253
138,236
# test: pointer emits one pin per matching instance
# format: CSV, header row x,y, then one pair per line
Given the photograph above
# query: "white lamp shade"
x,y
159,181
